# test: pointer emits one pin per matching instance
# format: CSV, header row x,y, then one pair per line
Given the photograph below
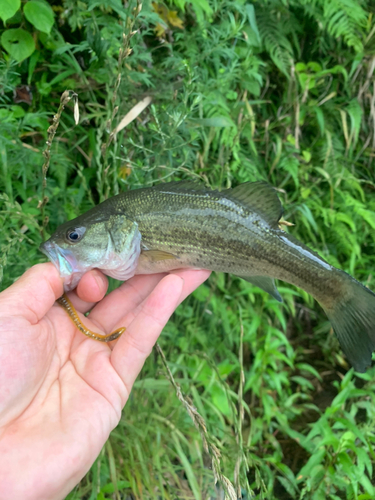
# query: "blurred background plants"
x,y
272,90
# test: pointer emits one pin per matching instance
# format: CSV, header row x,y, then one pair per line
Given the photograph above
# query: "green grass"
x,y
279,91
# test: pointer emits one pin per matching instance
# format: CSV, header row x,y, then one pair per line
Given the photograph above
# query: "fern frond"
x,y
273,35
341,18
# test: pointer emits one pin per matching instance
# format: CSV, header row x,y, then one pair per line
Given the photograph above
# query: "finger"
x,y
92,287
135,345
33,294
124,299
192,279
90,290
121,306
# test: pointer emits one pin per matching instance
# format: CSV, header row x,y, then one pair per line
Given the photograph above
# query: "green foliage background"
x,y
276,90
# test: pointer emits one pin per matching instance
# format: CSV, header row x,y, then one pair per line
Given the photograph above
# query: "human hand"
x,y
62,393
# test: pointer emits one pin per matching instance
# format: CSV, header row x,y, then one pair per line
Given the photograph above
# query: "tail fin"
x,y
353,321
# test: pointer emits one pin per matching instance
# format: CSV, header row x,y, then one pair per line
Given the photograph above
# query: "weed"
x,y
274,90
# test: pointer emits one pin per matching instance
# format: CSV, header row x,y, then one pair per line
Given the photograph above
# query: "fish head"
x,y
105,243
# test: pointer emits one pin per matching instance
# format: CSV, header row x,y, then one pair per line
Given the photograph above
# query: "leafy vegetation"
x,y
273,90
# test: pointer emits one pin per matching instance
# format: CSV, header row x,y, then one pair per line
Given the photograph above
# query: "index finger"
x,y
33,294
137,341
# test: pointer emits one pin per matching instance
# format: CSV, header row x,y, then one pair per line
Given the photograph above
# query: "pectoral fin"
x,y
265,283
157,255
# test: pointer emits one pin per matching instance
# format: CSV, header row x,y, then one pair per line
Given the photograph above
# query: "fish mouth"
x,y
65,262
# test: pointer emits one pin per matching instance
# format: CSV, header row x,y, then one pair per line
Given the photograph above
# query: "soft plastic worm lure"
x,y
69,308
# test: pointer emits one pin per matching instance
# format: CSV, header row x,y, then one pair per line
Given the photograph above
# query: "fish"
x,y
184,224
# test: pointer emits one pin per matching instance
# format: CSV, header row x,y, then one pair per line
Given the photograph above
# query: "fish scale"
x,y
184,224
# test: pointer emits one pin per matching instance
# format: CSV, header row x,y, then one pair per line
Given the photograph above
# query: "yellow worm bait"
x,y
69,308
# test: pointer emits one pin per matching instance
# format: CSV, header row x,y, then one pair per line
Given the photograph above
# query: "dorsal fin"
x,y
186,185
259,197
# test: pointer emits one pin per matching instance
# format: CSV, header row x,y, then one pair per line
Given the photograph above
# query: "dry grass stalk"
x,y
65,98
200,424
124,53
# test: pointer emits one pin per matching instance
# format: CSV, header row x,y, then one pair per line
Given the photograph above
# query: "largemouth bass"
x,y
185,225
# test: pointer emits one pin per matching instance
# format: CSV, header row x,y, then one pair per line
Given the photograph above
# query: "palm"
x,y
62,393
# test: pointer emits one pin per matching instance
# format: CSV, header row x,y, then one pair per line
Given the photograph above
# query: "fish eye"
x,y
76,234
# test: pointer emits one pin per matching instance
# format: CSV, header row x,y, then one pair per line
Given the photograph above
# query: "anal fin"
x,y
265,283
